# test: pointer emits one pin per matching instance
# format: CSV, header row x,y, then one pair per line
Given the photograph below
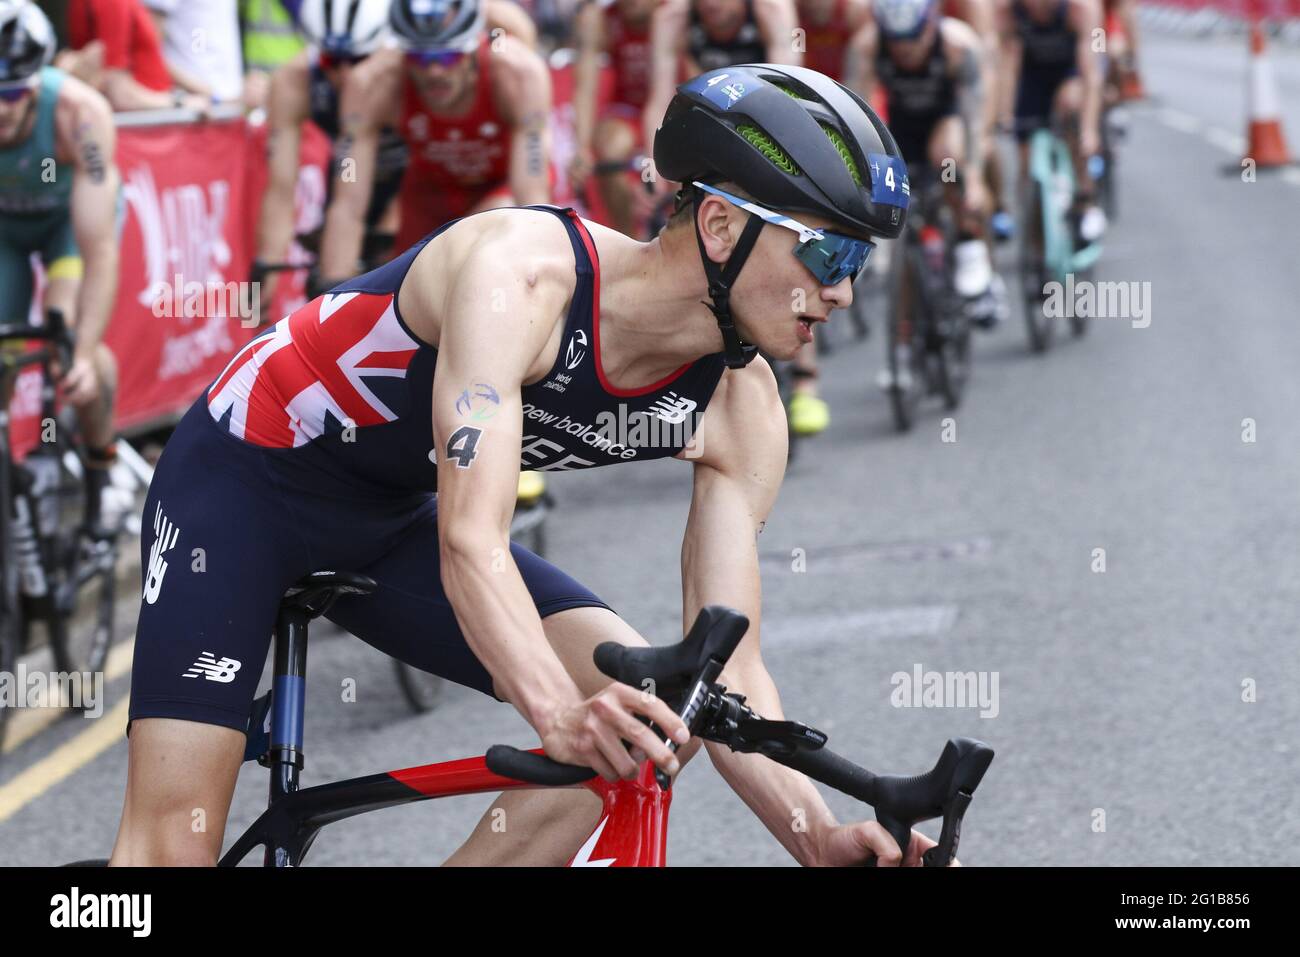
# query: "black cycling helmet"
x,y
794,140
437,24
26,40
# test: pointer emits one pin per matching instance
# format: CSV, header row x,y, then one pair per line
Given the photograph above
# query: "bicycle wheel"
x,y
81,632
953,360
11,616
905,347
1032,272
421,690
10,636
82,571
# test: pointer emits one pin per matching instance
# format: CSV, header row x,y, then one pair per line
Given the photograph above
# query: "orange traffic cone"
x,y
1265,143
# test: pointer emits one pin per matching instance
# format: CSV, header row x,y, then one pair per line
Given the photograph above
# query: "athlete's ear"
x,y
720,224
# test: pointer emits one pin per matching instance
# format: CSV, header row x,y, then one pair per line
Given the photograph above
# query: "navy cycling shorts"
x,y
1035,96
229,526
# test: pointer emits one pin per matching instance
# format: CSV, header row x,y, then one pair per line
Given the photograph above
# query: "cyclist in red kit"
x,y
619,29
829,27
472,107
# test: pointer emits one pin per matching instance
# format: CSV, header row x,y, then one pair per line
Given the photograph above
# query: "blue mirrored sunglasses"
x,y
440,57
830,257
12,94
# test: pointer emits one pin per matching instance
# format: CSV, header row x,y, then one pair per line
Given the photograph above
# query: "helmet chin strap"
x,y
737,354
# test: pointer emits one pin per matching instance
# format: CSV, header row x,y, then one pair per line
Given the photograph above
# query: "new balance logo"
x,y
672,408
213,668
165,535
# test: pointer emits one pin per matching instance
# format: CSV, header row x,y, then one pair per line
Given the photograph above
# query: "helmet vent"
x,y
842,148
765,145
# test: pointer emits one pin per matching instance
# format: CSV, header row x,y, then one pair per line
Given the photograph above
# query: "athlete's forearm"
x,y
345,220
530,159
96,295
720,566
970,103
586,72
786,801
502,627
275,224
125,94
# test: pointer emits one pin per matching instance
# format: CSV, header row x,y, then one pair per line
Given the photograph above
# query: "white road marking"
x,y
1177,119
1229,142
26,723
905,622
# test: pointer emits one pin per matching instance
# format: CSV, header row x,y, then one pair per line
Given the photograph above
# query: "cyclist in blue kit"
x,y
477,351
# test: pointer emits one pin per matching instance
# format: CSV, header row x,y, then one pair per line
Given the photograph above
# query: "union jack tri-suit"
x,y
314,449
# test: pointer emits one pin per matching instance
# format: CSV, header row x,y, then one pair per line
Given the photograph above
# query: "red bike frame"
x,y
633,826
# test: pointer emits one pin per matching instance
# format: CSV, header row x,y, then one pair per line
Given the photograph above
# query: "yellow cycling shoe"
x,y
532,486
808,414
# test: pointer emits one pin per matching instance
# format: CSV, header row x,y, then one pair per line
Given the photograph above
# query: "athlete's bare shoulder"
x,y
511,269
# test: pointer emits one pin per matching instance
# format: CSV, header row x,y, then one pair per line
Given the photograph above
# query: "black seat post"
x,y
288,700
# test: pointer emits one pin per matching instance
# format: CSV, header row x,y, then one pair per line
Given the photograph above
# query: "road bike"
x,y
1049,252
927,341
633,826
57,562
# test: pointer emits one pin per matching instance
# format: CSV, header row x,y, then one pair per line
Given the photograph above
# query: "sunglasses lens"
x,y
440,57
833,258
14,94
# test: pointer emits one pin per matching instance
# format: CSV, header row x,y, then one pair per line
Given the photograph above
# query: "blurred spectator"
x,y
270,40
118,52
201,45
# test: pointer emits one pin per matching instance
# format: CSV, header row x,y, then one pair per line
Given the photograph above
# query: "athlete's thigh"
x,y
180,780
410,617
15,279
218,548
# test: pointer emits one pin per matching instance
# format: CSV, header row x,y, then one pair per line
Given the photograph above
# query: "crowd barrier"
x,y
1281,18
193,195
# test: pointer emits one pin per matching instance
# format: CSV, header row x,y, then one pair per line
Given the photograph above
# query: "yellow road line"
x,y
68,758
26,723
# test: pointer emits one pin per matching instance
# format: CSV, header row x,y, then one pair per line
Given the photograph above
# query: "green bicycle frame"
x,y
1051,167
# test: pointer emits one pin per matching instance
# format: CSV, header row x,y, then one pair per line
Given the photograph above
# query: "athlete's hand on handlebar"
x,y
591,734
852,845
81,382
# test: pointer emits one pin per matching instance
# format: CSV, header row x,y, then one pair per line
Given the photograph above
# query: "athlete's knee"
x,y
1069,97
574,634
948,144
180,781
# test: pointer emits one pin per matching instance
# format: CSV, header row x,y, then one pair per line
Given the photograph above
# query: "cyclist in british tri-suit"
x,y
508,337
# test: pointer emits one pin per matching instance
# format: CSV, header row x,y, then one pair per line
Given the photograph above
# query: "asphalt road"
x,y
1121,731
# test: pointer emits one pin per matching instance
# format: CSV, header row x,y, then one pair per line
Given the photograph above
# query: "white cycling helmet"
x,y
345,27
26,40
438,24
903,19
